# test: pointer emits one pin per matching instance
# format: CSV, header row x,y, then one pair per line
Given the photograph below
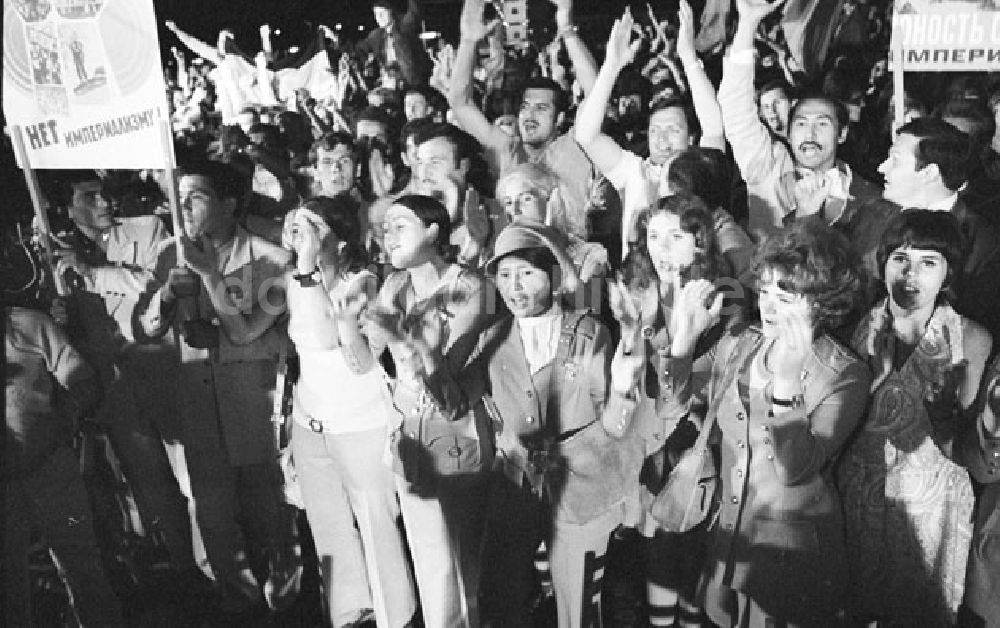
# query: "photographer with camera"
x,y
224,310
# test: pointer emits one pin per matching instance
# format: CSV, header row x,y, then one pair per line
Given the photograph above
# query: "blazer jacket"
x,y
559,441
778,536
981,456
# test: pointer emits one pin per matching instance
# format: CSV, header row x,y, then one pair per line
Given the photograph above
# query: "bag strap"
x,y
278,408
713,408
567,335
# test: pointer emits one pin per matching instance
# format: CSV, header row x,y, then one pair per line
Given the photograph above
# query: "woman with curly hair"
x,y
781,397
907,495
677,244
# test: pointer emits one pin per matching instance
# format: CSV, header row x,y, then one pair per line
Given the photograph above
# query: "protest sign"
x,y
946,35
83,82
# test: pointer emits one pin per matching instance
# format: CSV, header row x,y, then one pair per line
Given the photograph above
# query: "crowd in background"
x,y
446,325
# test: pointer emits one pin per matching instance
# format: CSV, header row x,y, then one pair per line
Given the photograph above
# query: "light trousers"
x,y
344,481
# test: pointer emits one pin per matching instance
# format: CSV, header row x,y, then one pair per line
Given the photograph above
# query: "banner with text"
x,y
83,80
946,35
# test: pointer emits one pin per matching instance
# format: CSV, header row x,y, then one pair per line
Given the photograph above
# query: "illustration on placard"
x,y
75,9
83,56
33,10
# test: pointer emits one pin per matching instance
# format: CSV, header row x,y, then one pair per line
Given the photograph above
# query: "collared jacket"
x,y
136,378
981,456
586,471
778,535
229,387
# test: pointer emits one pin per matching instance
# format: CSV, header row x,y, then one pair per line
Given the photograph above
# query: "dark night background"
x,y
205,18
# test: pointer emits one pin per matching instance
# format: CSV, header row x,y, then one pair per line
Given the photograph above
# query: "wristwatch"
x,y
308,280
797,401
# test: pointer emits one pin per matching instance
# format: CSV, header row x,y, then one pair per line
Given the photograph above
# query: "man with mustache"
x,y
804,177
540,116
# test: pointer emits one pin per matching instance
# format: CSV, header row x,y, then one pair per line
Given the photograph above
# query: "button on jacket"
x,y
589,477
778,537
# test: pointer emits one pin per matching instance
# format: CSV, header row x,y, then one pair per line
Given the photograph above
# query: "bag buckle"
x,y
316,425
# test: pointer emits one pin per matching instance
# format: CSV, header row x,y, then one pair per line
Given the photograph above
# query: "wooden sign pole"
x,y
167,138
35,191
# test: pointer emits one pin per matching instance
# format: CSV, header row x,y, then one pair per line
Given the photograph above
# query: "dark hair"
x,y
943,145
559,99
540,257
412,128
694,126
982,123
843,116
432,96
702,172
929,230
340,213
373,114
696,219
227,180
59,184
772,85
815,261
466,146
502,103
331,141
430,211
272,134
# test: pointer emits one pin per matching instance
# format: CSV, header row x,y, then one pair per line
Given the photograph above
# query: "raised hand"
x,y
200,255
472,24
348,302
626,368
621,49
756,10
307,232
632,310
810,192
685,32
791,349
694,311
381,173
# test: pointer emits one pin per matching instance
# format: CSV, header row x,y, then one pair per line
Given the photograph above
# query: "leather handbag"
x,y
689,493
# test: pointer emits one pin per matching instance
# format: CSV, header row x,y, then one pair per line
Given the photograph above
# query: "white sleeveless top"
x,y
327,390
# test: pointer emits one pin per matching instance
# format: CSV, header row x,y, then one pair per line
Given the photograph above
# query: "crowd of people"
x,y
477,310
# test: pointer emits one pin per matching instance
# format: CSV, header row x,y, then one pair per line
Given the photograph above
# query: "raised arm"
x,y
411,19
583,62
706,106
195,45
755,152
468,116
601,149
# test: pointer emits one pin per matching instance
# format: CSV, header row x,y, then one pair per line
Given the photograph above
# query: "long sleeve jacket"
x,y
779,529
